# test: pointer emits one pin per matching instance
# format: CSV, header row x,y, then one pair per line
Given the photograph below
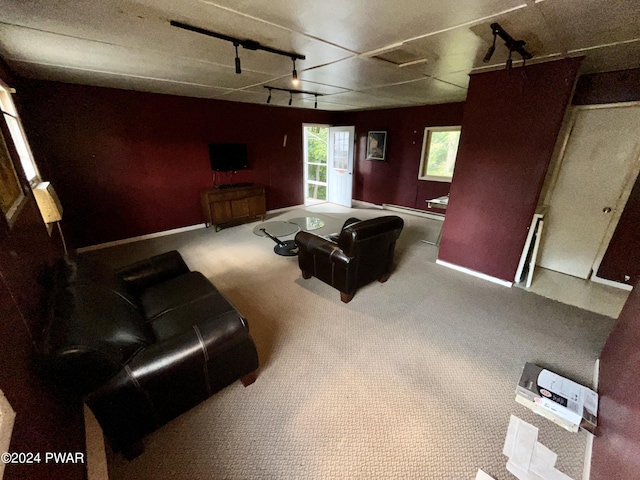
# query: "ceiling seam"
x,y
126,75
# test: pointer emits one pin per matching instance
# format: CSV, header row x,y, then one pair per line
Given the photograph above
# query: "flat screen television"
x,y
226,157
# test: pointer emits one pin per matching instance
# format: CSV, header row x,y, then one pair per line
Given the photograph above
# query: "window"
x,y
439,149
17,135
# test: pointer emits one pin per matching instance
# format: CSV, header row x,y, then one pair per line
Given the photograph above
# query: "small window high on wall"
x,y
439,149
12,119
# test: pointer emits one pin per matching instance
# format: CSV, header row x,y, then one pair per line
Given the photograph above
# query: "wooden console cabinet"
x,y
225,205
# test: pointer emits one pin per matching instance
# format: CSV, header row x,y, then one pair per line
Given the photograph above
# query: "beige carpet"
x,y
414,378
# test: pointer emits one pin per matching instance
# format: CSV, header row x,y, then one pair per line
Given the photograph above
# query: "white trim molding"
x,y
611,283
468,271
413,211
139,238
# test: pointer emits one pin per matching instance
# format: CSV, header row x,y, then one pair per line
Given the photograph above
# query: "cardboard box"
x,y
564,402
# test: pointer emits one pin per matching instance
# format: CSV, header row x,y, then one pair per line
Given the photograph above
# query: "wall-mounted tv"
x,y
226,157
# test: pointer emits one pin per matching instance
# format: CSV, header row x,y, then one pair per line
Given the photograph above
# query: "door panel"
x,y
599,158
341,147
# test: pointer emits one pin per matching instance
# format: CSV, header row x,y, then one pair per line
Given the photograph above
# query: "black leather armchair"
x,y
361,253
144,345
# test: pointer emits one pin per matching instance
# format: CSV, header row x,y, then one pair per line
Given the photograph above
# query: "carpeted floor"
x,y
414,378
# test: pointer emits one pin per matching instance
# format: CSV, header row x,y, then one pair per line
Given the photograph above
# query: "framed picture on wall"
x,y
376,145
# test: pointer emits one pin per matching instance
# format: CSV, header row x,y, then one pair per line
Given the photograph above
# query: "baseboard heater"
x,y
413,211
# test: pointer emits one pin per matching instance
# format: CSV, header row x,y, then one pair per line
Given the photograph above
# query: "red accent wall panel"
x,y
128,163
623,255
608,87
616,449
395,180
509,129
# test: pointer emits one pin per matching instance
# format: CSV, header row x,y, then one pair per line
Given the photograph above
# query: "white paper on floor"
x,y
528,458
482,475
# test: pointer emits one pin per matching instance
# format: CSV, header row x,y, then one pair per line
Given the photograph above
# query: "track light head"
x,y
290,97
295,72
492,48
269,97
315,105
238,68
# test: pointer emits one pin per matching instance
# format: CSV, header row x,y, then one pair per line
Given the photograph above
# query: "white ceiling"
x,y
130,44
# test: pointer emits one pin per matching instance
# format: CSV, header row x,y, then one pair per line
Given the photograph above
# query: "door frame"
x,y
630,180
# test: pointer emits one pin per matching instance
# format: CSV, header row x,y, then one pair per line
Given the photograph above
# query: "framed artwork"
x,y
376,145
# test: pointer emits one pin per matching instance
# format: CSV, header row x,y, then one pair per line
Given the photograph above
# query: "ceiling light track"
x,y
513,45
291,92
244,43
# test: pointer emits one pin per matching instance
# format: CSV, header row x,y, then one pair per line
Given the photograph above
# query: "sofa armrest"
x,y
315,245
170,377
145,273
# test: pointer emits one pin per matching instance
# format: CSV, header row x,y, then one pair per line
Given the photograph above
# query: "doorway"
x,y
599,166
328,164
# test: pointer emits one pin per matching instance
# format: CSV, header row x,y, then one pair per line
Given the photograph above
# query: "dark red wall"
x,y
509,130
616,450
608,87
395,180
623,255
45,419
128,163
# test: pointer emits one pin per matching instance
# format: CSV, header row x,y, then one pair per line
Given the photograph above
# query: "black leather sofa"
x,y
359,254
142,345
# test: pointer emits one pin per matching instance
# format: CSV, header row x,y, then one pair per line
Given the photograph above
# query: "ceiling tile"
x,y
363,25
426,91
583,24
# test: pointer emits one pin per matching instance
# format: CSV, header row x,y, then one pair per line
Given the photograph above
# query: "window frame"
x,y
8,108
424,155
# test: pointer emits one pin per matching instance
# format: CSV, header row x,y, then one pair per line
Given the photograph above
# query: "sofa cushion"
x,y
173,307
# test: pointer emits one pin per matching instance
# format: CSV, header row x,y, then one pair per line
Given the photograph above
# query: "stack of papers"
x,y
528,458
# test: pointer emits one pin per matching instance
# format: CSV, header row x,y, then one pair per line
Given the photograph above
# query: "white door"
x,y
600,160
341,146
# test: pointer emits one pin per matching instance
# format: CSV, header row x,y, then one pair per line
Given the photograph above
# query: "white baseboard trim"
x,y
604,281
139,238
413,211
363,204
165,232
588,453
468,271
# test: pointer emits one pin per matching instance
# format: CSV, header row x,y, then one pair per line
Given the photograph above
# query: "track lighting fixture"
x,y
238,69
511,44
291,92
246,44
